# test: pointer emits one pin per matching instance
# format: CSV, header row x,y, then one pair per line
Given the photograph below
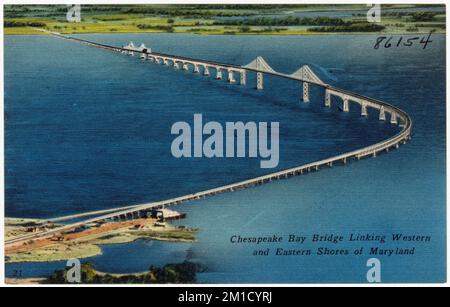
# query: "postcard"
x,y
224,144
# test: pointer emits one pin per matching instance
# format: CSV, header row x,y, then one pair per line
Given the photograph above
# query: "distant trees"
x,y
180,273
244,29
412,29
413,16
14,23
423,16
356,27
286,21
168,28
181,11
324,24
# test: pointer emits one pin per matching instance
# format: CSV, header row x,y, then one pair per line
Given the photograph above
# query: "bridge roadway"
x,y
129,211
182,58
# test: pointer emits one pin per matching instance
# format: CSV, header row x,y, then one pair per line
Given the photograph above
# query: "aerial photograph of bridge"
x,y
347,102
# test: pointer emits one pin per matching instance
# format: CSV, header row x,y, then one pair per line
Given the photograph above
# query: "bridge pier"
x,y
327,98
185,66
176,65
206,71
143,56
305,92
243,77
363,109
345,107
259,81
165,62
231,77
394,118
382,114
218,74
196,69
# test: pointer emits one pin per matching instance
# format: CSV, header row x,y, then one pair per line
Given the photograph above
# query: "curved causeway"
x,y
305,75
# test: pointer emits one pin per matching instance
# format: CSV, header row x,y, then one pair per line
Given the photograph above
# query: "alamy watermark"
x,y
73,271
230,141
73,13
374,13
374,273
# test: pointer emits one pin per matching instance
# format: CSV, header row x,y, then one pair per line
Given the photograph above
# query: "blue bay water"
x,y
87,129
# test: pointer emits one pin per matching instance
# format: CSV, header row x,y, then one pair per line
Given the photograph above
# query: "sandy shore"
x,y
24,281
84,244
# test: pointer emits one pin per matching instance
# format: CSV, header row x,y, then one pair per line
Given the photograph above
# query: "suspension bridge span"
x,y
238,74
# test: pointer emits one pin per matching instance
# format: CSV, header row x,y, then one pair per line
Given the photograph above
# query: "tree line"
x,y
356,27
168,28
286,21
13,24
413,16
181,273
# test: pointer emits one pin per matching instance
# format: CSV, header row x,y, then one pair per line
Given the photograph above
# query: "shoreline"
x,y
25,281
32,33
88,243
205,20
100,252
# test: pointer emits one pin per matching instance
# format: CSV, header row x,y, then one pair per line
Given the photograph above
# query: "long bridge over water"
x,y
238,74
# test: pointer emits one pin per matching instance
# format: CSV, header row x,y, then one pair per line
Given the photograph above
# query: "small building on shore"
x,y
165,214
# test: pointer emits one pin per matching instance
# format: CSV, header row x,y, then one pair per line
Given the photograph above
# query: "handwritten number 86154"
x,y
391,42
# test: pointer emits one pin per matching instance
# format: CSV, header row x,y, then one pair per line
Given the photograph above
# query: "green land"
x,y
177,273
222,19
88,245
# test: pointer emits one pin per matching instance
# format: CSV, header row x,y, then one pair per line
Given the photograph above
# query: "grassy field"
x,y
56,252
194,19
22,31
15,227
9,221
88,246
